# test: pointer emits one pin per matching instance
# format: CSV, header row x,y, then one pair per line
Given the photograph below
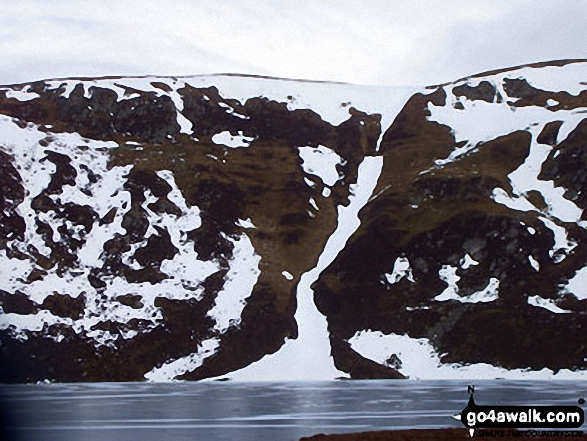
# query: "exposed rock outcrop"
x,y
158,227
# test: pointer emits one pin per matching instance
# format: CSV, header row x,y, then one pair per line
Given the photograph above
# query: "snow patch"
x,y
416,308
569,78
449,275
577,285
331,101
548,304
313,204
322,162
31,322
519,203
488,294
185,124
534,263
467,262
238,286
246,223
232,141
21,95
172,369
480,121
401,269
185,272
525,179
419,360
231,110
562,245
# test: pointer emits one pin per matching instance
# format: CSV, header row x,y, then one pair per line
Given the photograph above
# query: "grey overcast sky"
x,y
401,42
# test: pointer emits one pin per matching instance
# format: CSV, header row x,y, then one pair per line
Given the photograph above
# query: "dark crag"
x,y
435,213
129,207
263,182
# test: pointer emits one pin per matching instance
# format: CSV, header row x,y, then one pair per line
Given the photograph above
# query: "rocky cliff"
x,y
159,228
472,250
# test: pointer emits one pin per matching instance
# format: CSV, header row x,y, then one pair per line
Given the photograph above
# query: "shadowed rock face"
x,y
434,214
566,166
158,229
158,173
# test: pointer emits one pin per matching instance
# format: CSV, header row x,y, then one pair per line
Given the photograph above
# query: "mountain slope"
x,y
155,227
472,252
188,228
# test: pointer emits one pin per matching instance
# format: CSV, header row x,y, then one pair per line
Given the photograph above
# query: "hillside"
x,y
471,253
181,228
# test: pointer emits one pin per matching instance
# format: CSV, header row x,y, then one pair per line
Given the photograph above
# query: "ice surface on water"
x,y
257,411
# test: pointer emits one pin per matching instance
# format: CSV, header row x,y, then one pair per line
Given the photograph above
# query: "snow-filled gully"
x,y
308,357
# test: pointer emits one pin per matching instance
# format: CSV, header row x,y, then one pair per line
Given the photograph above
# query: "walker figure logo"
x,y
520,417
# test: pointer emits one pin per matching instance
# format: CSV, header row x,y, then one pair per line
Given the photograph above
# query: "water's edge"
x,y
255,410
